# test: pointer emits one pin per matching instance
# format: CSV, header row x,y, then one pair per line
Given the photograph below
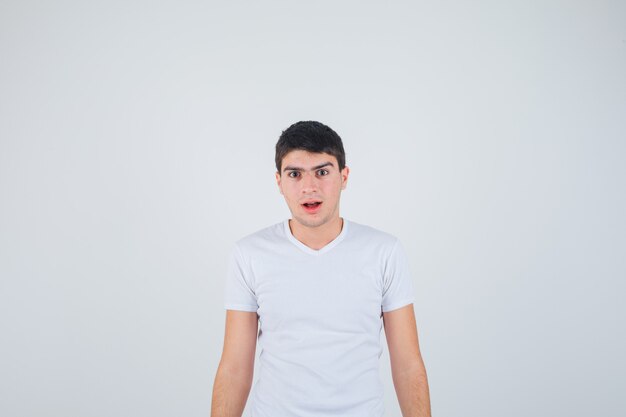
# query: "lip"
x,y
312,210
311,200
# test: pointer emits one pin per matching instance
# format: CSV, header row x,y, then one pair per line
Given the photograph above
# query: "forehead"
x,y
306,159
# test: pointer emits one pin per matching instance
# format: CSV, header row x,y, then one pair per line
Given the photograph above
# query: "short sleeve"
x,y
238,291
397,280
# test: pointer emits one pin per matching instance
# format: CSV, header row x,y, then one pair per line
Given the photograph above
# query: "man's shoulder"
x,y
261,237
371,234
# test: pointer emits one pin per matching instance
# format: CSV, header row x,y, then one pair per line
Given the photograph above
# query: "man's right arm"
x,y
233,379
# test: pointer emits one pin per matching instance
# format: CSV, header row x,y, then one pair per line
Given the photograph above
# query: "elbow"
x,y
411,367
242,373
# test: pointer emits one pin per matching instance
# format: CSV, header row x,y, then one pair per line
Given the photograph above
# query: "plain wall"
x,y
137,144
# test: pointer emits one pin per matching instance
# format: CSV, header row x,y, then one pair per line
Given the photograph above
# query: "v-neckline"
x,y
324,249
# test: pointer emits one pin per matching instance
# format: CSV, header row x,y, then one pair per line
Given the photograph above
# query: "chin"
x,y
310,222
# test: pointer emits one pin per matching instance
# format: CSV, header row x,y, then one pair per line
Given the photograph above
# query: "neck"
x,y
316,237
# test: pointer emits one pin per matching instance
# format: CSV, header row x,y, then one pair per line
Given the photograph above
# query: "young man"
x,y
321,287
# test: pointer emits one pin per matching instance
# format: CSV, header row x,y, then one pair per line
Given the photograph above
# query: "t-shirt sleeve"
x,y
238,291
397,280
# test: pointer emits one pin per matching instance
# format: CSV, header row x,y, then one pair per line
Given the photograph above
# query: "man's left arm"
x,y
407,367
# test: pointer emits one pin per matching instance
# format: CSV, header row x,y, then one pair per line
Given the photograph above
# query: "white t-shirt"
x,y
320,317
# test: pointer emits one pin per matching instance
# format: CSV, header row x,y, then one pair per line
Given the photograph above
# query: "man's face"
x,y
312,177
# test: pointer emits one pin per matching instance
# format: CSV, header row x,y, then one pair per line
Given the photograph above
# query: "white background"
x,y
137,144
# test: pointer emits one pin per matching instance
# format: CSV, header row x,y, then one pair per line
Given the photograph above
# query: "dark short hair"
x,y
310,136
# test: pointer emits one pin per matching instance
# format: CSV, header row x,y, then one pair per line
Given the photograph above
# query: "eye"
x,y
323,170
292,172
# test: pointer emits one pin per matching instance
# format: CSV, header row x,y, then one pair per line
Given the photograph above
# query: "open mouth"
x,y
312,207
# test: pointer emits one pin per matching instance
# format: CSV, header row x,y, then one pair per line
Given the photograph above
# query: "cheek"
x,y
290,194
332,189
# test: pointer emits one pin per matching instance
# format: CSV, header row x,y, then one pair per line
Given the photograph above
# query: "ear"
x,y
344,177
277,175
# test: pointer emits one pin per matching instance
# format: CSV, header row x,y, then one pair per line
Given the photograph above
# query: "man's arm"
x,y
235,371
407,367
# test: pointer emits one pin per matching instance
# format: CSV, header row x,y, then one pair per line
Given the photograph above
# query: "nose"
x,y
309,183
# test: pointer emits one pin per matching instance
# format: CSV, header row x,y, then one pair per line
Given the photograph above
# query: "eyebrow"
x,y
290,168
